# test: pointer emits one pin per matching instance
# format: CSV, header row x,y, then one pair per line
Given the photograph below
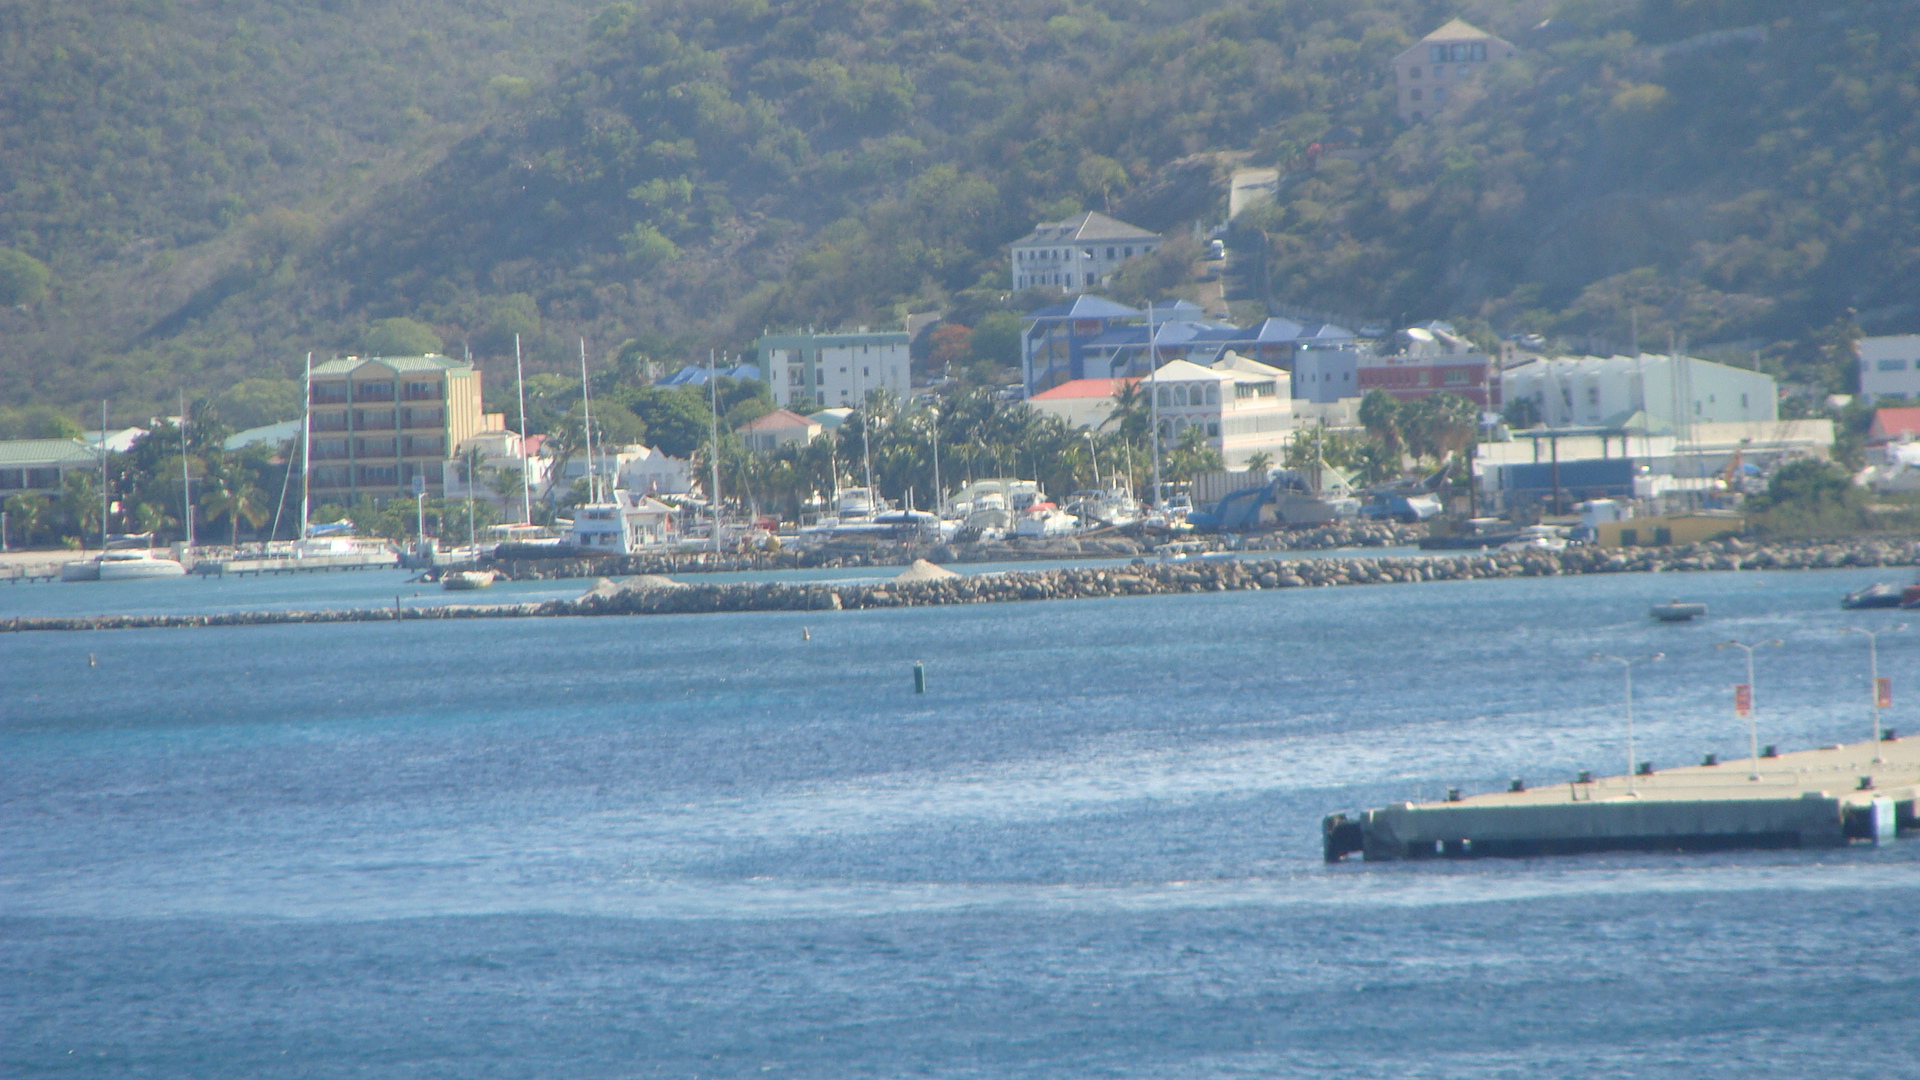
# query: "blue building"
x,y
1053,343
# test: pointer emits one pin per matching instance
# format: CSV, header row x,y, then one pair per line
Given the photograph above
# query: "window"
x,y
422,391
1415,95
373,391
1213,430
380,475
1460,52
48,477
1413,73
1743,401
1418,115
1109,253
1629,537
1213,393
1893,365
12,479
1478,51
1129,253
1439,92
329,393
1437,53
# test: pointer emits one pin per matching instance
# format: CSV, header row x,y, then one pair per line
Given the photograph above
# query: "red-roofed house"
x,y
778,428
1894,424
1080,402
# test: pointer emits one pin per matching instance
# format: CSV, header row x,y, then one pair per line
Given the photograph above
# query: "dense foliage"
x,y
219,188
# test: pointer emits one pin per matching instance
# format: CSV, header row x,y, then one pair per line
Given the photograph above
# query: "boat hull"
x,y
141,571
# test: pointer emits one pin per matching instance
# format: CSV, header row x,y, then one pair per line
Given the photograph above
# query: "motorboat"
x,y
1676,611
1882,594
467,580
1537,538
1111,507
1180,550
1043,519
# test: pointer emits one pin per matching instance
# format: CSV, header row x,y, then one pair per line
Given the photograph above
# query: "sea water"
x,y
740,845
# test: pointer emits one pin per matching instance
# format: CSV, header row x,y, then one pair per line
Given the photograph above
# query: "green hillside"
x,y
692,172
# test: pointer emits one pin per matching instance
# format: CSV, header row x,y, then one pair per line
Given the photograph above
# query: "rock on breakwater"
x,y
1141,579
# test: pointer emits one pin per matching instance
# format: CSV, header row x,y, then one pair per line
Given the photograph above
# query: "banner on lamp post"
x,y
1883,692
1742,700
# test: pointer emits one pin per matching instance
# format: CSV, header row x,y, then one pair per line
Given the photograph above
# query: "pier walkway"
x,y
1810,798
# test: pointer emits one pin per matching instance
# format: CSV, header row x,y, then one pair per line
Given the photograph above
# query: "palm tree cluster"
x,y
977,434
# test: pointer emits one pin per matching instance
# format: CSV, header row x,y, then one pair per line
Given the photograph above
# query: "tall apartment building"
x,y
379,422
1077,254
835,369
1430,72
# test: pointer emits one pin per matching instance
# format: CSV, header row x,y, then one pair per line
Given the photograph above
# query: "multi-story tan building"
x,y
379,422
1429,73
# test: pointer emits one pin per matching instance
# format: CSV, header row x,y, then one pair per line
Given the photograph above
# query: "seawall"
x,y
1150,579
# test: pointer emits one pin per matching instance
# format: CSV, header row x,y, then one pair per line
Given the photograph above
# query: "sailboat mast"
x,y
526,484
1153,404
713,408
186,478
106,497
586,424
306,450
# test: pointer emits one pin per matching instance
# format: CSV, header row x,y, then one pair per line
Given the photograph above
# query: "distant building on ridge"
x,y
1427,73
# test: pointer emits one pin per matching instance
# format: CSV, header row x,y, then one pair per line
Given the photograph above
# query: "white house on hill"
x,y
1077,254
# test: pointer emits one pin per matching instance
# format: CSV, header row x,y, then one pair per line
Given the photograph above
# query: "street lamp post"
x,y
1753,722
1873,676
1626,668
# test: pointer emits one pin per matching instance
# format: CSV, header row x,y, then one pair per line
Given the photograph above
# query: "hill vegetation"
x,y
663,177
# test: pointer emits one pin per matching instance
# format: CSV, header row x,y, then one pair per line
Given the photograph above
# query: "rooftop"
x,y
1085,307
1090,226
45,452
1081,389
779,420
430,362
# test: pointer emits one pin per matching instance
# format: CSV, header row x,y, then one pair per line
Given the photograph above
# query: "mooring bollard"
x,y
919,677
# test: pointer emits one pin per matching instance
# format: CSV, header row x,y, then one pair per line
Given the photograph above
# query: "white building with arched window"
x,y
1241,406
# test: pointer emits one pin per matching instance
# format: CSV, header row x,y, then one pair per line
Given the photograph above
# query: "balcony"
x,y
330,393
372,420
372,392
422,418
329,421
422,392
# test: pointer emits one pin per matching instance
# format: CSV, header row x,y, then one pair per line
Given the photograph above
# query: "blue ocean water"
x,y
707,847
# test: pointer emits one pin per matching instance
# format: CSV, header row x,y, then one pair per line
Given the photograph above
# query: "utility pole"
x,y
106,498
186,476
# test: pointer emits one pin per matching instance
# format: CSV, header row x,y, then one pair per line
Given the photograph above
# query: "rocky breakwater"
x,y
924,584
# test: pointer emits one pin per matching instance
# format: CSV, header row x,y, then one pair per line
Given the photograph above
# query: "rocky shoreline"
x,y
652,595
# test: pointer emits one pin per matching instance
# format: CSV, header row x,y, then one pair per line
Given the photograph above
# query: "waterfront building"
x,y
777,429
1889,367
1077,254
1242,407
378,423
1421,361
1082,403
1655,393
835,369
40,466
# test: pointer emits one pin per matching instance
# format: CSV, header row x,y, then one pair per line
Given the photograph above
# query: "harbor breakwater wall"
x,y
900,553
654,596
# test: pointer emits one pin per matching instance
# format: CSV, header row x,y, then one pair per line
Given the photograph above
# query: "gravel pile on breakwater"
x,y
1144,579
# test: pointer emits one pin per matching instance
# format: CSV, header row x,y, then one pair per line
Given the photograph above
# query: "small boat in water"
x,y
1881,594
467,580
1675,611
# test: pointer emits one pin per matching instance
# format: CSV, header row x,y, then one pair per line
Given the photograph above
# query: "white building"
x,y
1672,393
1077,254
1889,367
835,369
1243,406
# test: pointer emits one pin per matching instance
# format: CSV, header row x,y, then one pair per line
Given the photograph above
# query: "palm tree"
x,y
235,498
1260,462
26,511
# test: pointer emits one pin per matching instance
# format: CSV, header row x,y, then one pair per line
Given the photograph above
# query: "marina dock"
x,y
1829,797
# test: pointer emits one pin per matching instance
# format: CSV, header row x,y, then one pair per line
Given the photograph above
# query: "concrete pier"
x,y
1811,798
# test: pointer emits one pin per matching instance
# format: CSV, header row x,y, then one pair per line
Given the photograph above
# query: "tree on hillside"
x,y
400,337
23,278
